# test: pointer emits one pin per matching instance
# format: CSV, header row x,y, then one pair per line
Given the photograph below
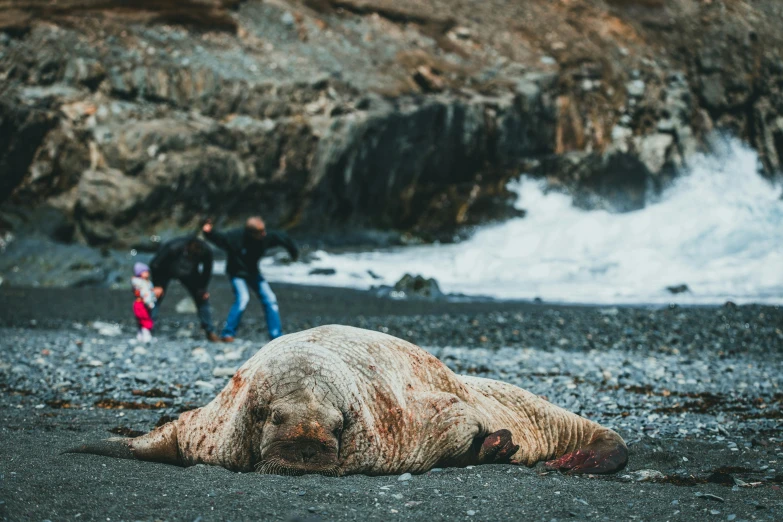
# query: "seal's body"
x,y
339,400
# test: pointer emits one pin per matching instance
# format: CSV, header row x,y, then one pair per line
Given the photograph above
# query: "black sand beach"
x,y
696,393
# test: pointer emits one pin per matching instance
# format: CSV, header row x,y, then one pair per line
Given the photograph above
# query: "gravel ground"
x,y
696,392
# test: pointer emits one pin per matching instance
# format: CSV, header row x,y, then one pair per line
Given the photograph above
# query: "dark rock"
x,y
322,271
616,181
413,133
678,289
418,286
22,130
40,262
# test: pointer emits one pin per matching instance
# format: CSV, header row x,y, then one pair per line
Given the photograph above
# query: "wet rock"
x,y
418,286
678,289
322,271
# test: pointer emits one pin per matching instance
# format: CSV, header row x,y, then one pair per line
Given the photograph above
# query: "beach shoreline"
x,y
696,392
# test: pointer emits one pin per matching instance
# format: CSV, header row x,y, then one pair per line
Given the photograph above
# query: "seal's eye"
x,y
277,417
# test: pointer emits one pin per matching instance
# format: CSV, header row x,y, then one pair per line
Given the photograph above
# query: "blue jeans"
x,y
260,286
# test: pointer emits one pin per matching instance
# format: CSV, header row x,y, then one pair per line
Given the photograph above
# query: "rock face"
x,y
338,114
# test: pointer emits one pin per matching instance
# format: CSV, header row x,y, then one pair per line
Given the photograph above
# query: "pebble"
x,y
471,512
404,477
631,349
709,496
221,371
646,475
107,329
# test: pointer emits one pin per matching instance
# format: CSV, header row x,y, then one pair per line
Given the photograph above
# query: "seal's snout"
x,y
308,451
304,452
300,457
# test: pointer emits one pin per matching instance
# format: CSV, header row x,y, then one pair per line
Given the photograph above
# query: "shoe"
x,y
212,337
227,339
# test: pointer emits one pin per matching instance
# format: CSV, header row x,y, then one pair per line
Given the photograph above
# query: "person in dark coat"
x,y
244,248
189,260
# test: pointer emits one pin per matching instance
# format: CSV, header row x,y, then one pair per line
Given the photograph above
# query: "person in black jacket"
x,y
189,260
244,248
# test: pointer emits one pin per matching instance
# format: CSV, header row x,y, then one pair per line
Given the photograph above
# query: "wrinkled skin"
x,y
338,400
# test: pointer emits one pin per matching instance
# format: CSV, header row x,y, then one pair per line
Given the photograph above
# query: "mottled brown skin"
x,y
338,400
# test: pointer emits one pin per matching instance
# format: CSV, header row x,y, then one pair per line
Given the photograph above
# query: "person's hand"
x,y
205,296
158,290
207,227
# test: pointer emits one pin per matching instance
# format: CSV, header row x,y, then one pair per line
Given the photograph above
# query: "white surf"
x,y
718,229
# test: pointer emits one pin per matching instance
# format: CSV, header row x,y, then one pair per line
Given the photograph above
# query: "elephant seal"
x,y
338,400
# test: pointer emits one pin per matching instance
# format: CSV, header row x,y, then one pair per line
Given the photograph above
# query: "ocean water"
x,y
717,229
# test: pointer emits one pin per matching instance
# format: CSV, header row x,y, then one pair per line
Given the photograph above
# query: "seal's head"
x,y
301,435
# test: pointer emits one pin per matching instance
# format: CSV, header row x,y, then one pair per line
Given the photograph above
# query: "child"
x,y
144,301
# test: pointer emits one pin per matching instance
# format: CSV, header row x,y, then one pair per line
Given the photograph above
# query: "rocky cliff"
x,y
121,124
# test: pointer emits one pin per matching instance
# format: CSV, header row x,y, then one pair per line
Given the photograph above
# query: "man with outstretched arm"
x,y
188,259
244,248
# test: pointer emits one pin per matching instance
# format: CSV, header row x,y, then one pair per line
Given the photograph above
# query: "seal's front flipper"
x,y
606,453
497,448
159,445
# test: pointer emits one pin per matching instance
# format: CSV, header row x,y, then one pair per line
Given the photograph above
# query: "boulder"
x,y
418,286
107,199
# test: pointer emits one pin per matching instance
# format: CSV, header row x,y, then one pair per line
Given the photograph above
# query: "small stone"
x,y
635,88
107,329
471,512
404,477
731,517
646,475
186,306
204,384
398,496
709,496
143,376
714,512
463,33
288,19
221,371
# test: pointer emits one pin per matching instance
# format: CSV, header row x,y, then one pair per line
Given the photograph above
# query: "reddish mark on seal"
x,y
237,381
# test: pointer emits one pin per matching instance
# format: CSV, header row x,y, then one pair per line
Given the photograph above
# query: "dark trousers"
x,y
203,308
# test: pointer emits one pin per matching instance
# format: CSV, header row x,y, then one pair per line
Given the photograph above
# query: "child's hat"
x,y
140,268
